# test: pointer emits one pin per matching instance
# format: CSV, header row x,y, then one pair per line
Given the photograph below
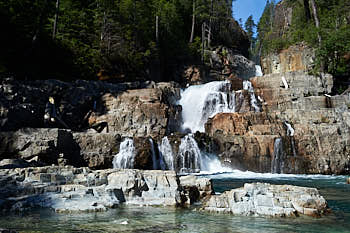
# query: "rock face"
x,y
263,142
68,189
259,199
129,109
142,112
298,57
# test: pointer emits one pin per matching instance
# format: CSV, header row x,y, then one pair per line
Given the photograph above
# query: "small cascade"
x,y
258,71
189,155
201,102
166,155
290,132
285,83
155,162
277,163
125,157
247,85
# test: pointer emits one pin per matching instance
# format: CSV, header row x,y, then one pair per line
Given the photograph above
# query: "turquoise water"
x,y
160,219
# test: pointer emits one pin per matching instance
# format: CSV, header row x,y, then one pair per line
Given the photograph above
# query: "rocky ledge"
x,y
258,199
69,189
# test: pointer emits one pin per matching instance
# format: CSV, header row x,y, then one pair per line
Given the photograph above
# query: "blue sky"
x,y
244,8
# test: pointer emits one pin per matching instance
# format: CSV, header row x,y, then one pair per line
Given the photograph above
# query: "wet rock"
x,y
258,199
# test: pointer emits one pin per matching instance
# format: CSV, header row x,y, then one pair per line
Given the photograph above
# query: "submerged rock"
x,y
258,199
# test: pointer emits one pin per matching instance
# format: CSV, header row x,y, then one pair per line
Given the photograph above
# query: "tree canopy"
x,y
118,37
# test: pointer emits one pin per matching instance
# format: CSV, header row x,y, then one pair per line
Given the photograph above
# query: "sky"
x,y
243,8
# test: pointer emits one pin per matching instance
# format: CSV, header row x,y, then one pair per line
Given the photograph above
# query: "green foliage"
x,y
118,36
334,30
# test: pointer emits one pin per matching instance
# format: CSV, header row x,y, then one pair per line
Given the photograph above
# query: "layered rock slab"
x,y
321,123
68,189
258,199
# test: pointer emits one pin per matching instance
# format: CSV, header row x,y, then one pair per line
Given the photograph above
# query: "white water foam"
x,y
211,164
237,174
201,102
125,157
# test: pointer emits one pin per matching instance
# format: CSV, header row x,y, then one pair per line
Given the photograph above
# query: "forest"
x,y
71,39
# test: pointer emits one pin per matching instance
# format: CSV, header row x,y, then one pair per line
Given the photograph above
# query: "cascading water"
x,y
166,155
200,102
125,157
189,155
210,163
155,163
258,71
290,132
285,83
247,85
277,163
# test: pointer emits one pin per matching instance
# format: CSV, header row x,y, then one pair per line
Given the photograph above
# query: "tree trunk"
x,y
210,21
307,10
157,29
56,20
317,23
203,40
193,21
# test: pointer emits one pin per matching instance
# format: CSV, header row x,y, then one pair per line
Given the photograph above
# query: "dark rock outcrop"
x,y
127,108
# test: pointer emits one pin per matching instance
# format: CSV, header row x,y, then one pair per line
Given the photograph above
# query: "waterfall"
x,y
201,102
166,155
125,157
189,155
290,130
155,162
285,83
247,85
277,163
258,71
